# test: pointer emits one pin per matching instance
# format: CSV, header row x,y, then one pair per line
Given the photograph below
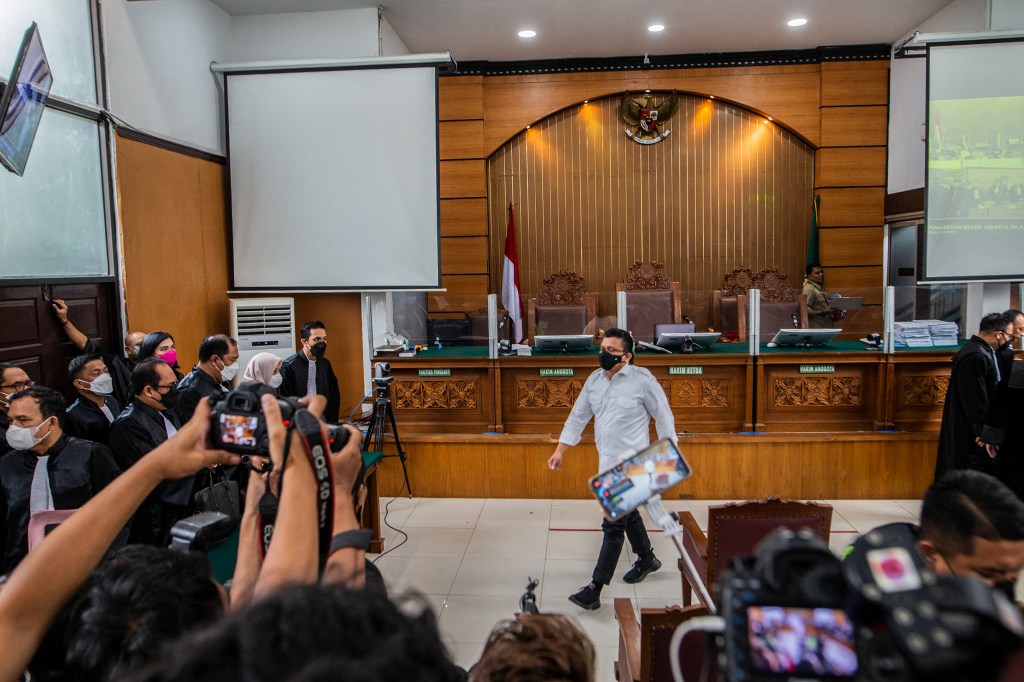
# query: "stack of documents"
x,y
915,334
943,333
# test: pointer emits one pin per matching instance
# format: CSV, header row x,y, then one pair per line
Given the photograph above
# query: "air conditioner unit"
x,y
263,325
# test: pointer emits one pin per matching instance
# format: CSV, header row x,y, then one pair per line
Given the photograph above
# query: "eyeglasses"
x,y
19,385
158,386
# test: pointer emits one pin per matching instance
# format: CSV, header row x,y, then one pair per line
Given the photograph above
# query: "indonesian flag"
x,y
511,299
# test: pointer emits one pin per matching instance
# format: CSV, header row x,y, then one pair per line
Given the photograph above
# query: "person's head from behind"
x,y
12,380
154,384
160,345
545,647
35,419
973,525
264,368
140,601
314,632
314,339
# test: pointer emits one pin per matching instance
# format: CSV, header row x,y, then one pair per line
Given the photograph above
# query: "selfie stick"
x,y
656,510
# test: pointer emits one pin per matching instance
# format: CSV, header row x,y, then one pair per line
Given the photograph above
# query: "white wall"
x,y
306,35
158,56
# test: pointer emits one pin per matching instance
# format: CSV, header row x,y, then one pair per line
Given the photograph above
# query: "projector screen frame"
x,y
940,41
433,61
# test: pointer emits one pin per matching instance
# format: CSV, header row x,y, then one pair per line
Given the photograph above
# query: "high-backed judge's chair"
x,y
564,306
644,643
779,303
734,530
651,299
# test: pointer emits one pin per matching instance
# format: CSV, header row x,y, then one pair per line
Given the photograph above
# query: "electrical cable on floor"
x,y
405,536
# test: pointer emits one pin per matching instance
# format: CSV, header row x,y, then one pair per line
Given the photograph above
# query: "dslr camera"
x,y
238,424
795,611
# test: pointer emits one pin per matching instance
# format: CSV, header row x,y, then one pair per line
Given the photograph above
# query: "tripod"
x,y
383,412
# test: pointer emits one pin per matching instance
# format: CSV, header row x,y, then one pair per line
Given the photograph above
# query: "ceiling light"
x,y
656,28
796,22
527,34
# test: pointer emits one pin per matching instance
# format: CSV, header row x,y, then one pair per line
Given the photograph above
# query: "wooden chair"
x,y
775,315
734,530
650,299
644,644
732,322
564,306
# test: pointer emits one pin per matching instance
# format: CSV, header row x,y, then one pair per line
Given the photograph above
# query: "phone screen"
x,y
238,429
811,642
637,479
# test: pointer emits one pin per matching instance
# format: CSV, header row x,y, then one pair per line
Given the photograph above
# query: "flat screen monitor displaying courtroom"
x,y
803,338
564,343
23,101
678,340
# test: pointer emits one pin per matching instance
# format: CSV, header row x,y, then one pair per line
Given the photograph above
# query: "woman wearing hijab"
x,y
264,368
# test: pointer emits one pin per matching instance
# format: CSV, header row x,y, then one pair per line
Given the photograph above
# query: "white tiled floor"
x,y
471,559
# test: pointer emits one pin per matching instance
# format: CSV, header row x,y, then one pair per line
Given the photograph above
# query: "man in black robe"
x,y
218,365
972,387
1004,428
90,417
47,469
12,380
148,421
296,369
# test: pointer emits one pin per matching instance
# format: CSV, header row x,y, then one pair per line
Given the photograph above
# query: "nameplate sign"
x,y
685,370
817,369
435,372
556,371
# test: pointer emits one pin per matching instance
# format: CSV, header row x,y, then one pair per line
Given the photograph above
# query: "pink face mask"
x,y
170,356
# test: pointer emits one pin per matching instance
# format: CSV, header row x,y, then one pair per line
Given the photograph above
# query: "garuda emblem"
x,y
647,119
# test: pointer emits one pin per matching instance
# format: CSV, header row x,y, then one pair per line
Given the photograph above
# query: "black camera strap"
x,y
315,441
266,519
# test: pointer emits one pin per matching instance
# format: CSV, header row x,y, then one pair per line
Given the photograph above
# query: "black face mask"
x,y
607,360
318,349
1006,587
170,399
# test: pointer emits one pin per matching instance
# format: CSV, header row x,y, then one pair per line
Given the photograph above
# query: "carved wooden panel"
x,y
563,288
645,276
817,391
924,390
697,392
415,395
773,284
547,393
714,392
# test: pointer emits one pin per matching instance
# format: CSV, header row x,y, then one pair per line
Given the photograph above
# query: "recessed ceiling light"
x,y
527,34
796,22
656,28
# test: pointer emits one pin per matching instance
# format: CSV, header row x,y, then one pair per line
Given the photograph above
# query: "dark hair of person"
x,y
995,322
145,374
139,601
215,344
314,632
967,504
152,340
79,362
51,403
4,366
811,266
536,648
1012,314
616,333
310,326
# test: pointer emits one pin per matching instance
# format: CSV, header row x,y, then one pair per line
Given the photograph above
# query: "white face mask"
x,y
24,437
228,372
275,381
102,385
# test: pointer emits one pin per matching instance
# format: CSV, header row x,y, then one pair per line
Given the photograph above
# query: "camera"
x,y
795,611
238,424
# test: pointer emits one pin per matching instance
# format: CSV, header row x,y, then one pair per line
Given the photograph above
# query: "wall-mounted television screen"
x,y
23,101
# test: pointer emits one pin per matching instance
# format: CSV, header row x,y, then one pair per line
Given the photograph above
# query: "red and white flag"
x,y
511,299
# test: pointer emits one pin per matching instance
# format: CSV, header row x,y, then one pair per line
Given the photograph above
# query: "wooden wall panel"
x,y
852,83
850,167
463,255
851,207
464,217
173,218
868,278
466,285
460,98
850,246
461,139
342,313
854,126
463,179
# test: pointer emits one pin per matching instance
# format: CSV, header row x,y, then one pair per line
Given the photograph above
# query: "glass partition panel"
x,y
440,320
930,316
682,321
857,312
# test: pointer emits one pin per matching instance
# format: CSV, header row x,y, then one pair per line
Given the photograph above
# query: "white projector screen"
x,y
334,179
974,213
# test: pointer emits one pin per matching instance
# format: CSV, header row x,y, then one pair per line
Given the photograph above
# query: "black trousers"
x,y
631,526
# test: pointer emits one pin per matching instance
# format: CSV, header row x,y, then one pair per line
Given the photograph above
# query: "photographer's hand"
x,y
247,563
346,566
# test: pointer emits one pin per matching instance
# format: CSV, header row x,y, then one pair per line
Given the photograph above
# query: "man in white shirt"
x,y
621,398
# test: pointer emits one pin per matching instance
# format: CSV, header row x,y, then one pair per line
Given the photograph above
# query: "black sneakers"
x,y
588,597
641,569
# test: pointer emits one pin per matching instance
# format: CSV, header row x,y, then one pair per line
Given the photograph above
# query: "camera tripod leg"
x,y
656,510
398,445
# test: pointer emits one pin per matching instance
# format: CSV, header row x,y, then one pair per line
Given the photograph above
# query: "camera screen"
x,y
801,641
635,480
238,429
